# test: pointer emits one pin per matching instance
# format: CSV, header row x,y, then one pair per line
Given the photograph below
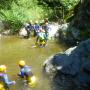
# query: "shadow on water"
x,y
13,49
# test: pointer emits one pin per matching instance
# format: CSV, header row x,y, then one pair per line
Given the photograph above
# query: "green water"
x,y
13,49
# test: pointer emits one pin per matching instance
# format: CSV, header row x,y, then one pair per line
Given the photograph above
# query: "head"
x,y
22,63
42,30
3,68
46,23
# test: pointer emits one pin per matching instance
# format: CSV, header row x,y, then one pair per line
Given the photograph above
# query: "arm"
x,y
22,73
7,81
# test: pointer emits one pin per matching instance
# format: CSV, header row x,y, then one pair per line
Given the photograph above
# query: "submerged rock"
x,y
71,67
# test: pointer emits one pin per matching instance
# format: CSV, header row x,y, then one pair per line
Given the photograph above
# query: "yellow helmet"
x,y
2,68
22,63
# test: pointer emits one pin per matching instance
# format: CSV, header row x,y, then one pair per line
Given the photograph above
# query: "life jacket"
x,y
27,71
41,36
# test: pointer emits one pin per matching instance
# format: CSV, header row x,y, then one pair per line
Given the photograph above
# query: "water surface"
x,y
13,49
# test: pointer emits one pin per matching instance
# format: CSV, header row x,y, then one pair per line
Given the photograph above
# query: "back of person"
x,y
41,39
41,35
27,71
36,29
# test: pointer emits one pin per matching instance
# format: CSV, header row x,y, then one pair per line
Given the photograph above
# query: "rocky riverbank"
x,y
71,69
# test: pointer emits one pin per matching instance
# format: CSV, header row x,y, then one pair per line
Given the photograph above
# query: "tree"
x,y
62,9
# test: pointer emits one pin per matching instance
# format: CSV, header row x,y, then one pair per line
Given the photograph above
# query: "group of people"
x,y
41,32
25,73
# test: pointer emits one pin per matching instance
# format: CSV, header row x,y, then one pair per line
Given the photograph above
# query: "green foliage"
x,y
61,8
17,12
69,4
21,11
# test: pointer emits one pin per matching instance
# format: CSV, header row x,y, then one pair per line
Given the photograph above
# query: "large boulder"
x,y
53,30
23,33
73,64
6,32
69,34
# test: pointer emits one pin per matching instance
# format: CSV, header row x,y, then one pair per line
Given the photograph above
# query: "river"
x,y
13,49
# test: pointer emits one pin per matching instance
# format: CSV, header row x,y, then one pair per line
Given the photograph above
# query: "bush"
x,y
21,11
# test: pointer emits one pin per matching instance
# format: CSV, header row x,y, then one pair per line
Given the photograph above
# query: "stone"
x,y
73,63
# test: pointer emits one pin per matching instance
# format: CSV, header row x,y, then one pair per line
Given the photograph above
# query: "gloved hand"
x,y
14,82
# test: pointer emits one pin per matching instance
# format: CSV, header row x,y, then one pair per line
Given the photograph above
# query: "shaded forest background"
x,y
14,13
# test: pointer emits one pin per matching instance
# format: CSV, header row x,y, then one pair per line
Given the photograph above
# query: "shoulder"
x,y
5,76
27,66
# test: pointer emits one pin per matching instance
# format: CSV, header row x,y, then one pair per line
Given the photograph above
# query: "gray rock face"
x,y
73,64
53,30
23,32
68,34
6,32
63,31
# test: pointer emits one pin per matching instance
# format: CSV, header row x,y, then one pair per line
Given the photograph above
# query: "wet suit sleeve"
x,y
6,80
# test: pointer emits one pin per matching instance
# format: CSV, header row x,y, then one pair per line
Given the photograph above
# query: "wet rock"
x,y
6,32
69,34
73,65
53,30
64,26
23,33
63,31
